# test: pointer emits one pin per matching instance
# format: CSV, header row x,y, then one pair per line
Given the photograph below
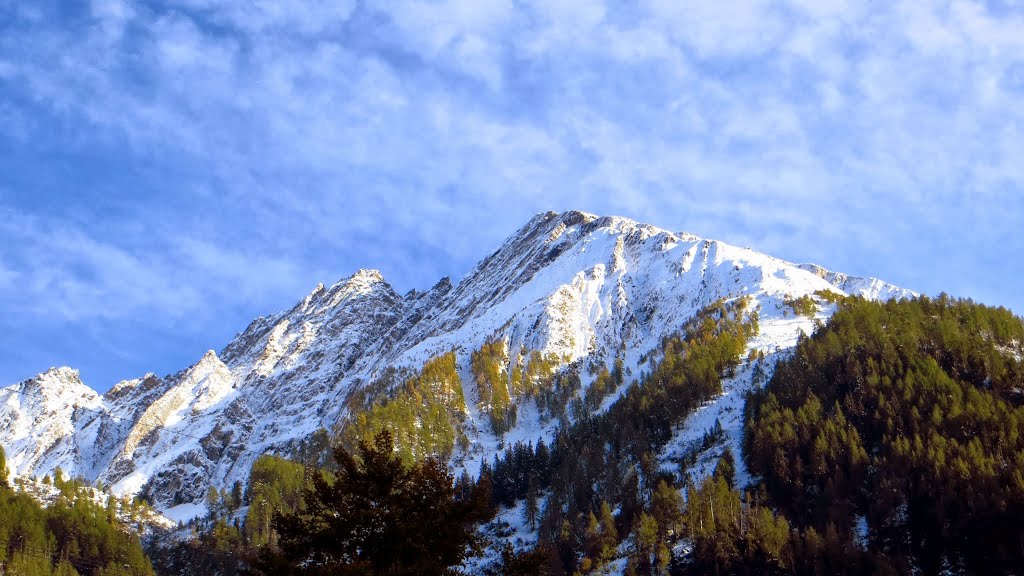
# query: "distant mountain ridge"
x,y
573,287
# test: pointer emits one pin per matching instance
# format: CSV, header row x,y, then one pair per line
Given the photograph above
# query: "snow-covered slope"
x,y
571,286
39,416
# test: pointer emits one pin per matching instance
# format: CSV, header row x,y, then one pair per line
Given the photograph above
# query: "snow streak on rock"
x,y
571,286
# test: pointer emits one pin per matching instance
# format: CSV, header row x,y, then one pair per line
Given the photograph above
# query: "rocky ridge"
x,y
572,286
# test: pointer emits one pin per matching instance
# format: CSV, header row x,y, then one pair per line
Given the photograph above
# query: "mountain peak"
x,y
574,217
59,382
368,275
546,222
58,377
570,286
65,373
364,280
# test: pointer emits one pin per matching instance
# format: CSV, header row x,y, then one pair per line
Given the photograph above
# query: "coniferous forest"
x,y
905,418
888,442
74,535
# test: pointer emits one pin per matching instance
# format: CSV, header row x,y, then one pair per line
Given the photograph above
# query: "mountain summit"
x,y
570,289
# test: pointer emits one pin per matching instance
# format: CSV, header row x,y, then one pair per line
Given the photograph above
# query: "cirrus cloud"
x,y
196,163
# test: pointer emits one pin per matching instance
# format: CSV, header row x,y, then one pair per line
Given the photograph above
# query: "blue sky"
x,y
170,170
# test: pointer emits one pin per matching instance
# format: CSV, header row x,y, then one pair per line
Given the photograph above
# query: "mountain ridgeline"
x,y
629,399
885,443
564,297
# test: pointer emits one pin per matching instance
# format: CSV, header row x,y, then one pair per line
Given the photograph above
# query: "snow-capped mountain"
x,y
570,286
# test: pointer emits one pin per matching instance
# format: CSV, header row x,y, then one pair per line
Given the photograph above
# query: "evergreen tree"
x,y
667,508
236,496
646,542
213,501
535,562
378,516
726,467
530,509
609,538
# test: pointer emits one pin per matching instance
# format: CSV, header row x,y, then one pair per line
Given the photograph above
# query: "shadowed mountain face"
x,y
573,288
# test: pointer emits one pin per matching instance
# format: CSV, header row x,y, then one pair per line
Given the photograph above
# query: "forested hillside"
x,y
899,424
625,399
887,442
555,323
72,536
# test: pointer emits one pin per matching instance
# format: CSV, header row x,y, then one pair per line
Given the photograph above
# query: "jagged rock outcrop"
x,y
570,286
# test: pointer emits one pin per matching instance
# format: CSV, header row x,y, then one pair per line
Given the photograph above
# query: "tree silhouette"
x,y
377,516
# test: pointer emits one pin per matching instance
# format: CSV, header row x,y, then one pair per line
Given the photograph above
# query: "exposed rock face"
x,y
571,286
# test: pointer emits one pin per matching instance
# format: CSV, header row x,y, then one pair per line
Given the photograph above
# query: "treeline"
x,y
424,413
505,382
889,442
579,529
239,522
73,536
609,460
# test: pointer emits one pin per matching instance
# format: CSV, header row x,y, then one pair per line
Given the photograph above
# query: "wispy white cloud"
x,y
306,17
716,29
266,145
63,273
66,275
112,16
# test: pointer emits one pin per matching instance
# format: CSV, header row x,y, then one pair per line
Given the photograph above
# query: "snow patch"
x,y
572,286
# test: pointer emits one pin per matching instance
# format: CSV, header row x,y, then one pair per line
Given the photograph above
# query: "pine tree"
x,y
667,509
236,496
646,539
213,502
530,508
609,536
726,467
377,516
